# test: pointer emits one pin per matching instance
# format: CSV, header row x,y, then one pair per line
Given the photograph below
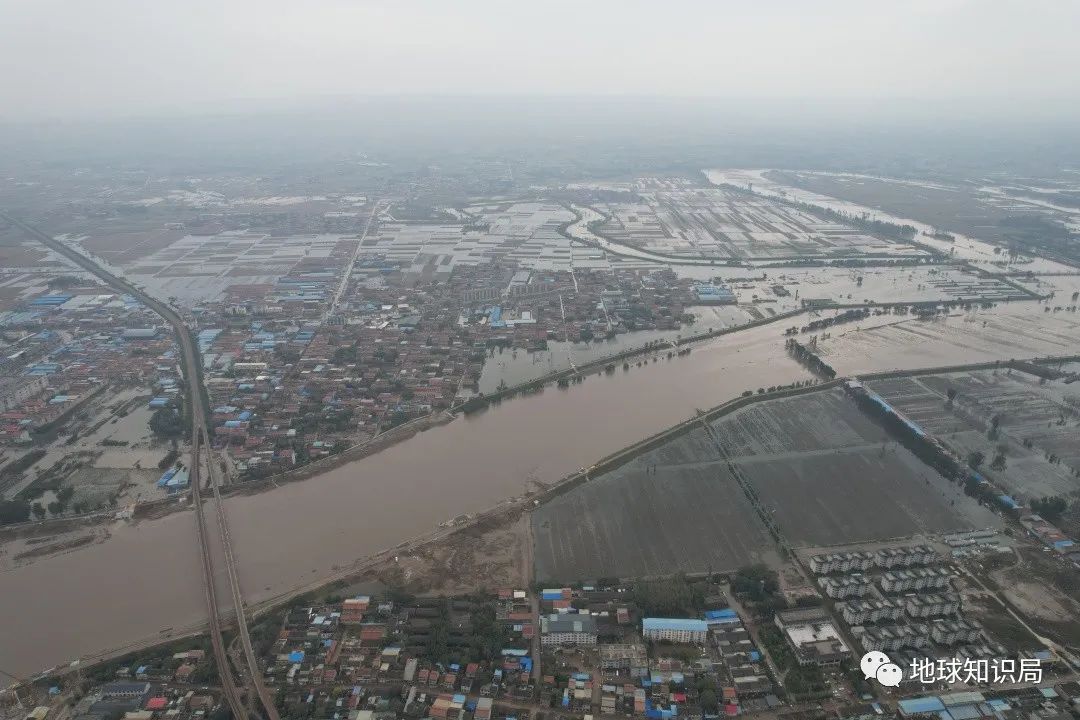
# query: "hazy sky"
x,y
108,58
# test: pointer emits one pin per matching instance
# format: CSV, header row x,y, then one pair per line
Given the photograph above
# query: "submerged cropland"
x,y
360,354
1015,428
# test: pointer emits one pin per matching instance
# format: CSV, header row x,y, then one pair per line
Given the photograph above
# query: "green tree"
x,y
998,462
757,582
708,701
673,596
1051,508
167,422
14,511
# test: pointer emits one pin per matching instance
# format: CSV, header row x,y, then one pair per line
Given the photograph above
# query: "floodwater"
x,y
518,366
146,577
963,247
580,231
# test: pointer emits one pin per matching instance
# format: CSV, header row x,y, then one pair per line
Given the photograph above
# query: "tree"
x,y
167,422
1051,508
14,511
999,459
708,701
757,582
39,512
667,597
975,459
168,459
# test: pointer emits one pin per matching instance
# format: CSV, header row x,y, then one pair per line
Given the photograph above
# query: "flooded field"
x,y
1016,330
113,461
301,532
819,481
962,247
693,222
1036,420
771,293
519,366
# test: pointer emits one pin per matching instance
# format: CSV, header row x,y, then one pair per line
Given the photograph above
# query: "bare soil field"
x,y
995,618
123,248
15,254
825,473
1045,590
830,476
860,496
665,512
490,555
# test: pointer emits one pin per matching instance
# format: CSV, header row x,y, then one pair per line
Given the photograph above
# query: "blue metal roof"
x,y
915,706
720,614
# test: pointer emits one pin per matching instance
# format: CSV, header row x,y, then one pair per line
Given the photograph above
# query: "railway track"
x,y
199,441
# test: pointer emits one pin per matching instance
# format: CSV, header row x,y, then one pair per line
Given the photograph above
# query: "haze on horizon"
x,y
74,61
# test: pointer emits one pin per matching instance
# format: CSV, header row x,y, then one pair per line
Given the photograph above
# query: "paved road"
x,y
344,284
190,359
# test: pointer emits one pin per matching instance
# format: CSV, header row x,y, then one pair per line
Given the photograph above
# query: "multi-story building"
x,y
683,630
932,605
905,557
812,636
567,629
858,612
915,579
626,657
887,559
950,632
895,637
841,588
841,562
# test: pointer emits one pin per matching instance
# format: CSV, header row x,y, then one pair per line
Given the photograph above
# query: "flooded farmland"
x,y
962,247
145,577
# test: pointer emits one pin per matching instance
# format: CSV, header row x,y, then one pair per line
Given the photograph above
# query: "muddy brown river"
x,y
146,577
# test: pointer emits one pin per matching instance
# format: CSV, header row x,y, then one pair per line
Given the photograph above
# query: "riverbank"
x,y
565,379
464,529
